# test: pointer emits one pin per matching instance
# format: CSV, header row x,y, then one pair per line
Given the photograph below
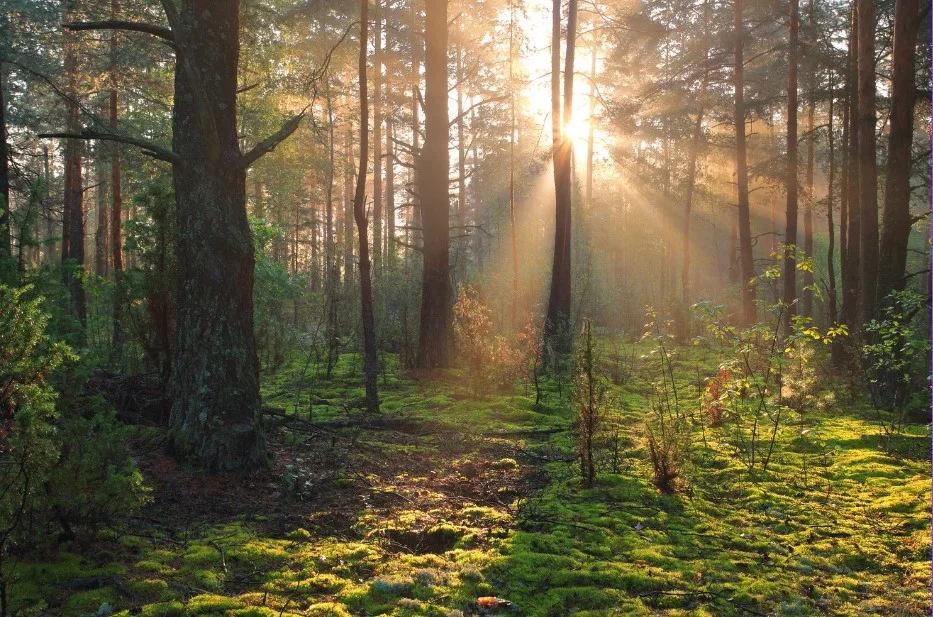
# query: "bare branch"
x,y
269,143
152,149
161,32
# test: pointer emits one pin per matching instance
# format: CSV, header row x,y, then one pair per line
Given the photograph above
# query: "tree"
x,y
216,419
868,172
73,207
741,169
896,217
359,214
434,168
850,273
116,186
557,321
790,235
5,247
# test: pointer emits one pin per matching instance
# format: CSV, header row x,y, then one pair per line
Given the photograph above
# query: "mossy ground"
x,y
455,496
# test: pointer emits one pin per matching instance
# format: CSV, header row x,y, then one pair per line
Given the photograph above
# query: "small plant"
x,y
665,453
590,391
714,397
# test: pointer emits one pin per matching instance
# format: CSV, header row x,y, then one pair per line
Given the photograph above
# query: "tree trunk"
x,y
747,263
434,340
116,189
100,234
377,140
331,273
512,230
390,193
850,281
557,324
790,233
462,240
348,204
868,173
370,366
73,229
5,246
806,294
896,216
830,224
216,417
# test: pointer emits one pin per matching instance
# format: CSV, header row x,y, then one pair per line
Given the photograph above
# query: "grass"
x,y
478,495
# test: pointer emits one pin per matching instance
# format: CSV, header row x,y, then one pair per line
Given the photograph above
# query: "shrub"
x,y
714,397
493,359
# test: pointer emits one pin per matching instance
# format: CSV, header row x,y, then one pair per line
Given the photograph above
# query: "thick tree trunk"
x,y
868,173
749,312
790,234
216,420
896,217
370,366
434,340
850,280
557,323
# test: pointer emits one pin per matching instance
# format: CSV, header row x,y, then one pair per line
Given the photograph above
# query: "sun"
x,y
577,129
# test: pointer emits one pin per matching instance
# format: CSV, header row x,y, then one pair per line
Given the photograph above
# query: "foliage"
x,y
896,359
590,391
494,360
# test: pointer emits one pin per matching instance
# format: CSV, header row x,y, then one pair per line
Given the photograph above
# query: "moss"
x,y
208,604
163,609
84,603
327,609
150,589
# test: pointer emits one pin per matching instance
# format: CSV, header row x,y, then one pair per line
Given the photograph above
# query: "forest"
x,y
318,308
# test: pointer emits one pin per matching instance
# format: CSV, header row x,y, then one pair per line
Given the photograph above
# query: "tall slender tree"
x,y
741,167
370,366
435,328
790,234
868,171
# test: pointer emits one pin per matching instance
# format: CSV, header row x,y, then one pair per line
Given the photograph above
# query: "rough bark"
x,y
790,233
390,252
370,366
868,173
896,217
216,419
746,258
434,339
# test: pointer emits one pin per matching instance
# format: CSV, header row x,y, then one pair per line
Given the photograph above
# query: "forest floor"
x,y
457,493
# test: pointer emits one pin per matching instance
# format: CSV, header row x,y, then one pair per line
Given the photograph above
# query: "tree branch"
x,y
152,149
161,32
269,143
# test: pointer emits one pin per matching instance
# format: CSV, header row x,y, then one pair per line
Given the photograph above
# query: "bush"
x,y
493,359
61,452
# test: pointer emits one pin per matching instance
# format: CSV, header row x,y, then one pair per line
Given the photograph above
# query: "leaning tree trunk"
x,y
557,323
434,340
868,172
790,234
216,419
370,366
896,217
746,257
